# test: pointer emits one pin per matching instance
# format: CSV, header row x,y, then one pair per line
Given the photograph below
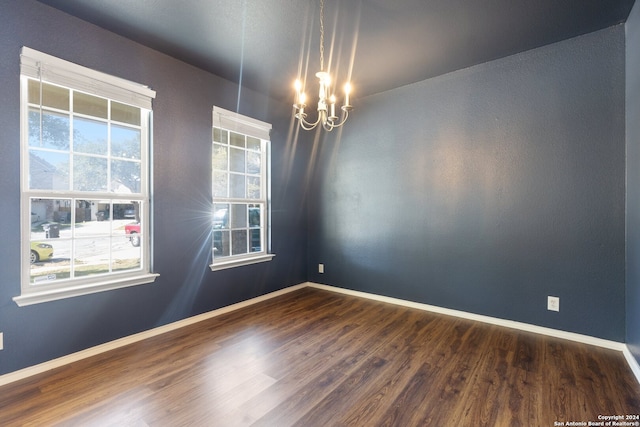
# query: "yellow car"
x,y
40,252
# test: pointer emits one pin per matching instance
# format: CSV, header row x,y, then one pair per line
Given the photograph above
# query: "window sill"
x,y
223,265
38,297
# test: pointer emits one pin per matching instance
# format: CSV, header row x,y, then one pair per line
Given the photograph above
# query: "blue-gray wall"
x,y
486,190
181,195
633,181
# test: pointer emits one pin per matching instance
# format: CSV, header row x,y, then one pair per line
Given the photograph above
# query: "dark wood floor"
x,y
317,358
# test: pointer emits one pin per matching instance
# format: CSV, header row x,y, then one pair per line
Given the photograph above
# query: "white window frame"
x,y
35,65
238,123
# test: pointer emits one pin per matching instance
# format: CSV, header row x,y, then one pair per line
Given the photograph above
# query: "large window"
x,y
85,187
240,165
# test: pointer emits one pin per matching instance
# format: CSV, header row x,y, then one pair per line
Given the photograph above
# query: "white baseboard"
x,y
74,357
585,339
633,363
64,360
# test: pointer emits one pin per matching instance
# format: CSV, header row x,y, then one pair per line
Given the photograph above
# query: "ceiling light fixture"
x,y
326,103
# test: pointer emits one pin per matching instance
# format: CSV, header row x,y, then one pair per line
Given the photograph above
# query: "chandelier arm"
x,y
343,121
306,125
327,125
310,127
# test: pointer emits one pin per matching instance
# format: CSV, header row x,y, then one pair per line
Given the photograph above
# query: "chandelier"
x,y
326,99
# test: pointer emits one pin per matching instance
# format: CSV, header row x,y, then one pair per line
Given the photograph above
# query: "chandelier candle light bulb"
x,y
333,116
299,94
347,90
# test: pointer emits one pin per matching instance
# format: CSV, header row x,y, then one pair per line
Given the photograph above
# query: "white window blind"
x,y
48,68
235,122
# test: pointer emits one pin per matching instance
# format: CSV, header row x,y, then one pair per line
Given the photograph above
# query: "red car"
x,y
133,231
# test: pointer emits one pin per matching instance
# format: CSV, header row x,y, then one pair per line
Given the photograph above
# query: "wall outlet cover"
x,y
553,303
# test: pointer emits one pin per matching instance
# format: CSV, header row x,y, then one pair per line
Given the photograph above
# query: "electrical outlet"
x,y
320,268
553,303
1,340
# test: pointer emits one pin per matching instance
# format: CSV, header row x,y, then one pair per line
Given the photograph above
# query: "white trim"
x,y
74,357
37,297
223,265
112,345
239,123
633,363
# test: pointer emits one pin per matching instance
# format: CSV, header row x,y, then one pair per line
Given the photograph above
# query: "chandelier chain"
x,y
321,35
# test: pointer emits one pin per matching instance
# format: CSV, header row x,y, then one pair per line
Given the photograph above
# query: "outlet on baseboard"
x,y
320,268
553,303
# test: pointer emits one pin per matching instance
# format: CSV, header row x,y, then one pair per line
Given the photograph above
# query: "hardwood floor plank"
x,y
349,350
359,400
480,403
302,359
318,358
404,355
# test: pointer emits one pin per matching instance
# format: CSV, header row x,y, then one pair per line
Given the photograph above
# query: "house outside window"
x,y
241,190
85,207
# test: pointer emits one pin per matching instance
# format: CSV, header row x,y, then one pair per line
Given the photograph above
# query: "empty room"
x,y
320,213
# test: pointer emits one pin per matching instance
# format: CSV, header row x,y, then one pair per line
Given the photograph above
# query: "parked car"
x,y
133,231
129,213
40,252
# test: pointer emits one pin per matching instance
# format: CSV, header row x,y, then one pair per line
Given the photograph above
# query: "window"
x,y
240,165
84,180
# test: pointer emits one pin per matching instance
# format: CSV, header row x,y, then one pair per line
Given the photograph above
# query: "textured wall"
x,y
633,180
181,195
487,189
